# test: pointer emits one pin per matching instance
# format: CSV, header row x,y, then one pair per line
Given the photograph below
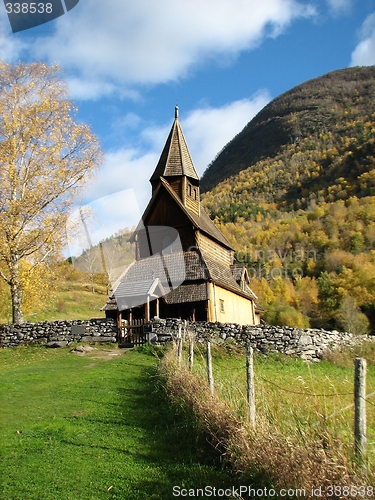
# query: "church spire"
x,y
175,160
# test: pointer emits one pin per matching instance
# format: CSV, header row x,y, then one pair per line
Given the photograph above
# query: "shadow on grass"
x,y
106,433
185,460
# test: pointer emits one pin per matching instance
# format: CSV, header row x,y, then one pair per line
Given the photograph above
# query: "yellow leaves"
x,y
262,290
45,160
37,284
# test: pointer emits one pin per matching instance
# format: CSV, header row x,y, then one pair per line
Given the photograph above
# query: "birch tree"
x,y
46,158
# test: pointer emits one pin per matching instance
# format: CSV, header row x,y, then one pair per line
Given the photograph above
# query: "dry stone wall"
x,y
309,344
59,333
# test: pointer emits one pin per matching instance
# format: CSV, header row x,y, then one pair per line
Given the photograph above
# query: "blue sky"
x,y
129,62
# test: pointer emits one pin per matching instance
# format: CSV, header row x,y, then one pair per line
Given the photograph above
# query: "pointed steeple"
x,y
175,160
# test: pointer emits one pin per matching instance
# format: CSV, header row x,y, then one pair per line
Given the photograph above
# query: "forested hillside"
x,y
297,201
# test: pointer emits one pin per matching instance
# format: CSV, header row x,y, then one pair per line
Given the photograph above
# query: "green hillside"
x,y
311,125
294,193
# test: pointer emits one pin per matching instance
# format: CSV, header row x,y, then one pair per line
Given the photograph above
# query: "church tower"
x,y
176,167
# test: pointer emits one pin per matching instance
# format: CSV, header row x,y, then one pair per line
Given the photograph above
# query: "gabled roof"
x,y
202,221
141,288
186,271
175,159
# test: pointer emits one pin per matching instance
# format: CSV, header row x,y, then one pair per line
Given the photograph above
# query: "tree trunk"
x,y
16,293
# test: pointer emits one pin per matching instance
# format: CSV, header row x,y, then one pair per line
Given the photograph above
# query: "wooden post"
x,y
179,344
209,368
250,383
191,352
360,409
121,331
147,311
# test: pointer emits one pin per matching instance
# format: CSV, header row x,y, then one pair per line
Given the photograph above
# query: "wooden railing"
x,y
131,333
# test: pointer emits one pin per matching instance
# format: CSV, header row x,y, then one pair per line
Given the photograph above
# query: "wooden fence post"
x,y
250,383
209,368
179,345
360,410
191,351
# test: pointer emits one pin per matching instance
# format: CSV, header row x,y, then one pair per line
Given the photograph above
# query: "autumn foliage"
x,y
45,160
298,203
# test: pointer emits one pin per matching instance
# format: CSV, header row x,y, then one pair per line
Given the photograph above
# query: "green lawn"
x,y
92,427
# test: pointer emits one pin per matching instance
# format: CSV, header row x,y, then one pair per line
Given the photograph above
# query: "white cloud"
x,y
125,169
339,6
147,42
207,130
10,46
101,219
364,53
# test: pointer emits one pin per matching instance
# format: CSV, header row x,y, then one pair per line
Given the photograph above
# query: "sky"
x,y
128,63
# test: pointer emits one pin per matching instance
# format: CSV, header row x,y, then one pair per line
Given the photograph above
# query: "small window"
x,y
189,189
195,194
222,309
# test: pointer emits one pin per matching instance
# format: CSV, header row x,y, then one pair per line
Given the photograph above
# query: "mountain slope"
x,y
308,123
296,199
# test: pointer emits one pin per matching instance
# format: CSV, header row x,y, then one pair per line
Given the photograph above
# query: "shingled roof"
x,y
223,275
175,159
179,269
174,267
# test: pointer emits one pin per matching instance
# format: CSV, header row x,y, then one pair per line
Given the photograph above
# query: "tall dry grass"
x,y
304,460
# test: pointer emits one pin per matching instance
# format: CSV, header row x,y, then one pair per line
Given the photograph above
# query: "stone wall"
x,y
308,344
59,333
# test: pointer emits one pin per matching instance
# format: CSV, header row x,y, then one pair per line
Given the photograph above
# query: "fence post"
x,y
250,383
191,351
179,345
209,368
360,410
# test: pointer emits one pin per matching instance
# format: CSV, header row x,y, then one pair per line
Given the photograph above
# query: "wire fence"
x,y
360,398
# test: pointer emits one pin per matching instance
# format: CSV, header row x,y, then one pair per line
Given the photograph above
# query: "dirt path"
x,y
99,352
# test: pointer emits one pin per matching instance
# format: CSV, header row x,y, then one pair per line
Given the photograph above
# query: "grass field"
x,y
72,300
69,297
92,427
298,399
303,438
